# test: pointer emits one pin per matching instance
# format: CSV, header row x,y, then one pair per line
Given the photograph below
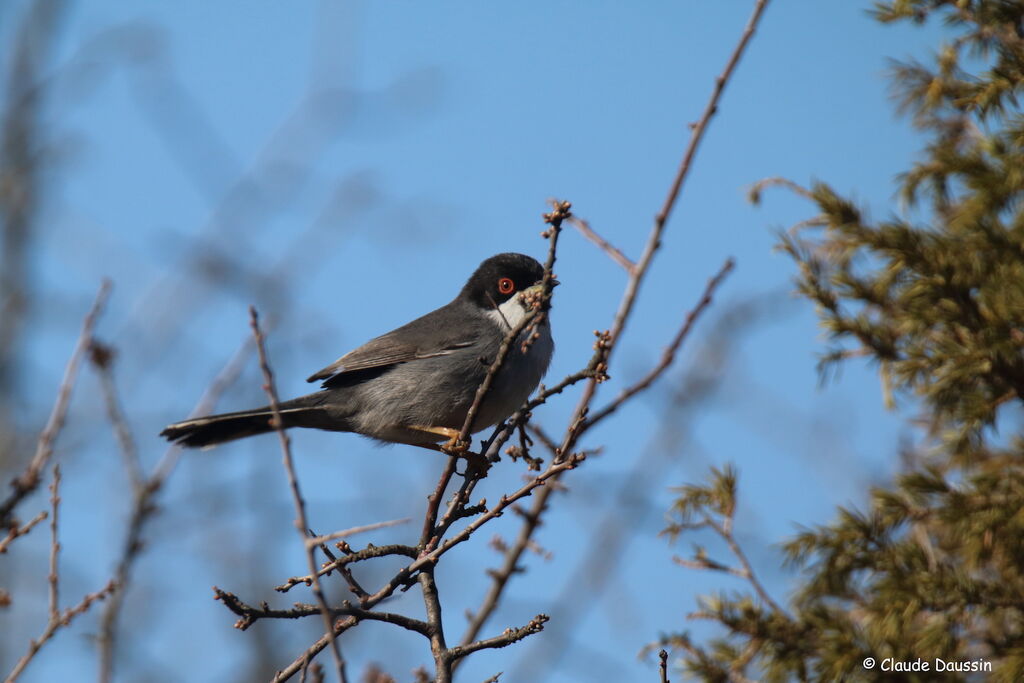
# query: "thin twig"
x,y
314,541
654,238
626,508
28,481
669,354
313,650
492,371
512,635
559,213
434,501
501,576
476,469
293,484
426,560
614,252
709,111
725,531
250,615
663,665
636,276
360,556
712,565
143,495
102,357
432,531
54,624
15,532
54,577
550,474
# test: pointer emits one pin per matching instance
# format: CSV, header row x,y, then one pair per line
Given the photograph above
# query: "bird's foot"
x,y
452,446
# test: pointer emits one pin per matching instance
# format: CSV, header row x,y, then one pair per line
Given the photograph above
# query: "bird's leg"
x,y
452,435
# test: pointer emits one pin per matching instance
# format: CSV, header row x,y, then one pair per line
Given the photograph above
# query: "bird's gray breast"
x,y
519,375
438,391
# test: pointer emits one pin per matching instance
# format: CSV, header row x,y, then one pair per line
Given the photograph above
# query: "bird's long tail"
x,y
203,432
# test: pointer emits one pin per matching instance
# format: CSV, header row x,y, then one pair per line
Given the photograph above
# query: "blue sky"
x,y
387,149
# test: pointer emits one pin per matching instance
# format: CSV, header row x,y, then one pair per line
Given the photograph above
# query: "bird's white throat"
x,y
508,314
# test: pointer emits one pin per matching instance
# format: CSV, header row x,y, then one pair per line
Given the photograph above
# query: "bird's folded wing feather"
x,y
415,341
381,352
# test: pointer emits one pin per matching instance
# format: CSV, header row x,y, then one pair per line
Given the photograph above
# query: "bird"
x,y
415,384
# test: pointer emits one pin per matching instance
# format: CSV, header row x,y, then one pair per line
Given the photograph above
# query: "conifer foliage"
x,y
934,567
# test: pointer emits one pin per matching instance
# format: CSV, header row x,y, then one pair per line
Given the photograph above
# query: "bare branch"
x,y
435,624
351,558
293,483
709,111
14,532
144,493
28,481
434,500
63,620
102,357
725,531
251,615
711,565
669,354
511,635
402,577
550,474
607,341
314,541
654,238
532,517
609,248
625,510
313,650
56,620
501,576
54,577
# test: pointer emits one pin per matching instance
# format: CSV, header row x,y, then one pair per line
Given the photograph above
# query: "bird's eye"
x,y
506,286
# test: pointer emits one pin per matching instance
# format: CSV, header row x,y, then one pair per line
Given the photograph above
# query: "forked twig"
x,y
56,620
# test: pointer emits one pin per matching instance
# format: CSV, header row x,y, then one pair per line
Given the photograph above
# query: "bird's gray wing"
x,y
414,341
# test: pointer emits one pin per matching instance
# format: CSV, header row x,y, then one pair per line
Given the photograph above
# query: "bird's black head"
x,y
501,277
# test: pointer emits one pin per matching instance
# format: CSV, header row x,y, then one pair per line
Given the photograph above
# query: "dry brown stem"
x,y
301,523
28,481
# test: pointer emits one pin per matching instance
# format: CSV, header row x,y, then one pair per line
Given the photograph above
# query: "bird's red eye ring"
x,y
506,286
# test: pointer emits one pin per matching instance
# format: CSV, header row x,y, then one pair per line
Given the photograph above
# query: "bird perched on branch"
x,y
415,385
